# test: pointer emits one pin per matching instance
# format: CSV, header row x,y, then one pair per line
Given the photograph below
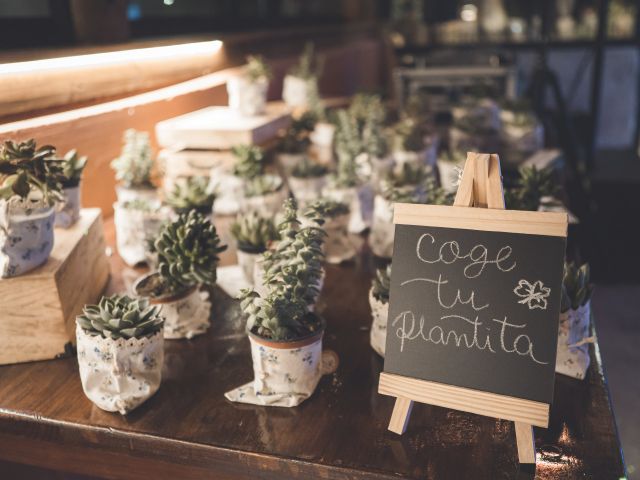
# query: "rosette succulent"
x,y
193,193
134,165
248,161
120,316
188,254
72,167
254,232
25,168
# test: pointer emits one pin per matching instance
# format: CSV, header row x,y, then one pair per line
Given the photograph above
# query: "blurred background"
x,y
575,62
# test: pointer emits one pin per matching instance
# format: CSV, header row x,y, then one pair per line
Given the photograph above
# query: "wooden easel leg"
x,y
400,415
525,443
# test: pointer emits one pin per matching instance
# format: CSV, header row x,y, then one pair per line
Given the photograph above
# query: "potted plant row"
x,y
30,186
187,252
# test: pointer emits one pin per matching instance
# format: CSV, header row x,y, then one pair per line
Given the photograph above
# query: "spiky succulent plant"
x,y
324,208
188,253
257,68
72,167
381,284
292,274
576,286
408,136
248,161
532,185
135,164
120,316
253,232
307,168
347,137
25,168
309,65
193,193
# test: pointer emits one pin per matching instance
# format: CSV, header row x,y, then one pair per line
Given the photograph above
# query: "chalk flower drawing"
x,y
534,295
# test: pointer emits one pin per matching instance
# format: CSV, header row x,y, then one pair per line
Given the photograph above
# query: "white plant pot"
x,y
322,134
449,175
289,160
297,91
379,314
119,375
382,228
126,194
380,168
338,246
360,201
26,236
572,357
68,210
247,261
246,97
307,190
228,190
286,373
133,229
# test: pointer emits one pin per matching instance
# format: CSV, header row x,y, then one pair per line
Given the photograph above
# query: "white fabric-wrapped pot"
x,y
247,97
285,373
266,205
306,190
133,229
379,314
296,91
228,190
360,201
131,194
382,228
449,174
68,210
26,235
322,134
572,357
338,246
247,261
185,315
119,375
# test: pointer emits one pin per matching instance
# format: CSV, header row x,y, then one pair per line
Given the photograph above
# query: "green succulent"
x,y
254,232
381,284
348,139
295,138
414,184
292,273
120,316
188,253
307,168
25,168
262,185
576,286
72,167
141,204
408,136
324,208
134,165
532,185
193,193
257,68
249,161
309,65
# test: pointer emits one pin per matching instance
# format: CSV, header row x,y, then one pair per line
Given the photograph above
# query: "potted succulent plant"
x,y
136,221
379,302
333,217
301,83
450,164
532,187
29,187
192,193
307,180
261,192
575,321
476,125
68,209
407,183
521,131
253,233
248,91
188,254
409,143
294,142
284,331
347,185
120,352
134,168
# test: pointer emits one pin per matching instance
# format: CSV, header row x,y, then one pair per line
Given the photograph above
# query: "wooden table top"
x,y
189,430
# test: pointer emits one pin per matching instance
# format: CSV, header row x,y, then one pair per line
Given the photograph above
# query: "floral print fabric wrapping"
x,y
572,358
68,210
119,375
186,317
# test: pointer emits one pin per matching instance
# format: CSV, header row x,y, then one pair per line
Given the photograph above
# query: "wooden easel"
x,y
480,187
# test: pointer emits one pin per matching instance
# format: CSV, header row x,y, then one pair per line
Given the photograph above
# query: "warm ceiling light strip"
x,y
112,58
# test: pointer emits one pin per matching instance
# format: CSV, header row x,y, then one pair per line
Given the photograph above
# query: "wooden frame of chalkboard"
x,y
429,377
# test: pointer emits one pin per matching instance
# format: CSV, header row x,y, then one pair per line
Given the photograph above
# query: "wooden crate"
x,y
38,309
221,128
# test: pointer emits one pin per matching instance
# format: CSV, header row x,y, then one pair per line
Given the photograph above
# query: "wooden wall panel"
x,y
97,130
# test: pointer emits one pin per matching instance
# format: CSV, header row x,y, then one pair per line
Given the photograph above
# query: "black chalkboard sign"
x,y
476,309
